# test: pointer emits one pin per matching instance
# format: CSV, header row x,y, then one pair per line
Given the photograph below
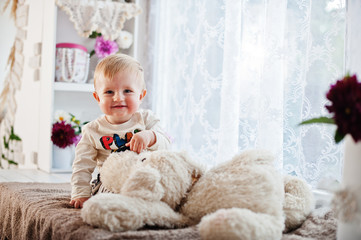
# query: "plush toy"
x,y
244,198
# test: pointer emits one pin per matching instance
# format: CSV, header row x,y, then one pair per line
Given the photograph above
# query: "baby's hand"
x,y
78,202
141,140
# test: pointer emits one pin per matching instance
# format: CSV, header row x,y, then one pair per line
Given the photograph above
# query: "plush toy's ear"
x,y
298,202
256,156
144,183
116,169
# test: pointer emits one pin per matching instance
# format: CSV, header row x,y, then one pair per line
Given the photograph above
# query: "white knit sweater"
x,y
100,138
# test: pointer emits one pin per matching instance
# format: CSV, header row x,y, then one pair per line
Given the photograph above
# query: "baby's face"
x,y
119,98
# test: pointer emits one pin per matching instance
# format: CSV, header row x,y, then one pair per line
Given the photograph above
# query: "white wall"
x,y
27,116
28,97
8,31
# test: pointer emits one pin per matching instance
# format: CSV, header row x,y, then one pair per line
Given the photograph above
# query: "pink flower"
x,y
77,139
104,47
63,134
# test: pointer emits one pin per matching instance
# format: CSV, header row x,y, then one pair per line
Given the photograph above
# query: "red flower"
x,y
345,97
63,134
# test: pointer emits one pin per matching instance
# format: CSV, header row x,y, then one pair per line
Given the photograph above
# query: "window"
x,y
233,75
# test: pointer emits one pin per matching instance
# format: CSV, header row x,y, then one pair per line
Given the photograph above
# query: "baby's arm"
x,y
153,137
78,202
83,166
142,140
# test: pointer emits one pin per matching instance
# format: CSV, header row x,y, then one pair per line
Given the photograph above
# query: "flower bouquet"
x,y
66,129
345,107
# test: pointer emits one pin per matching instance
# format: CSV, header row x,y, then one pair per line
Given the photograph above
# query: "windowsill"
x,y
322,198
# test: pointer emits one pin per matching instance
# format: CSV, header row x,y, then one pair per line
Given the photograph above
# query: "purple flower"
x,y
104,48
63,134
345,97
77,139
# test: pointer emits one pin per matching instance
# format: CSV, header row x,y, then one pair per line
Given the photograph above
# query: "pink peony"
x,y
63,134
345,97
104,48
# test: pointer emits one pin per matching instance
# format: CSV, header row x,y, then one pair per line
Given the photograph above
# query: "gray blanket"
x,y
41,211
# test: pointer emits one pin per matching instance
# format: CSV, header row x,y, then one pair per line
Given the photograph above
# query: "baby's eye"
x,y
128,91
109,92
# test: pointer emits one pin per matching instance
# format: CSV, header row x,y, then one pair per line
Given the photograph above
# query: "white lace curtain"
x,y
225,76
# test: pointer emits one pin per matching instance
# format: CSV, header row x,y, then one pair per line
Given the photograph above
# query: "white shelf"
x,y
75,87
75,98
57,170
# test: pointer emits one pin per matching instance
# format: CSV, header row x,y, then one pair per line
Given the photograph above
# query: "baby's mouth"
x,y
119,106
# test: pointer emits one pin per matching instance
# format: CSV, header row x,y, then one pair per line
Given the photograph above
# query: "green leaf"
x,y
12,162
94,35
13,136
6,143
91,53
338,136
9,160
318,120
78,131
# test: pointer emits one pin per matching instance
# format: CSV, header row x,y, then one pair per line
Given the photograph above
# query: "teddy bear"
x,y
243,198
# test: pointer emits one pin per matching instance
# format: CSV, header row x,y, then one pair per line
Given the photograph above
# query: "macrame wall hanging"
x,y
105,17
10,143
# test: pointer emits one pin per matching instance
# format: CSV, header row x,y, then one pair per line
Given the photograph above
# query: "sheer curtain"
x,y
226,76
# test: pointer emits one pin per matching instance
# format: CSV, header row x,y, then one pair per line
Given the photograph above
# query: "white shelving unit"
x,y
75,98
73,87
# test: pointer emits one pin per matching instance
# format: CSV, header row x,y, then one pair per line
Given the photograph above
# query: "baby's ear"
x,y
142,94
95,95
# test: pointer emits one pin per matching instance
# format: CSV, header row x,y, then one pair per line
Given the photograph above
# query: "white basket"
x,y
72,63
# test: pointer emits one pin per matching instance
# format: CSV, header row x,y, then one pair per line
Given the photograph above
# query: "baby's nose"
x,y
118,96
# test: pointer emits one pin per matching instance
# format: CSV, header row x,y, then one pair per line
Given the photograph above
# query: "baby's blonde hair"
x,y
112,64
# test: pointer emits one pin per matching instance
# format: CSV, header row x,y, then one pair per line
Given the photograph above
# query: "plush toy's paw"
x,y
298,202
118,213
113,212
236,223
